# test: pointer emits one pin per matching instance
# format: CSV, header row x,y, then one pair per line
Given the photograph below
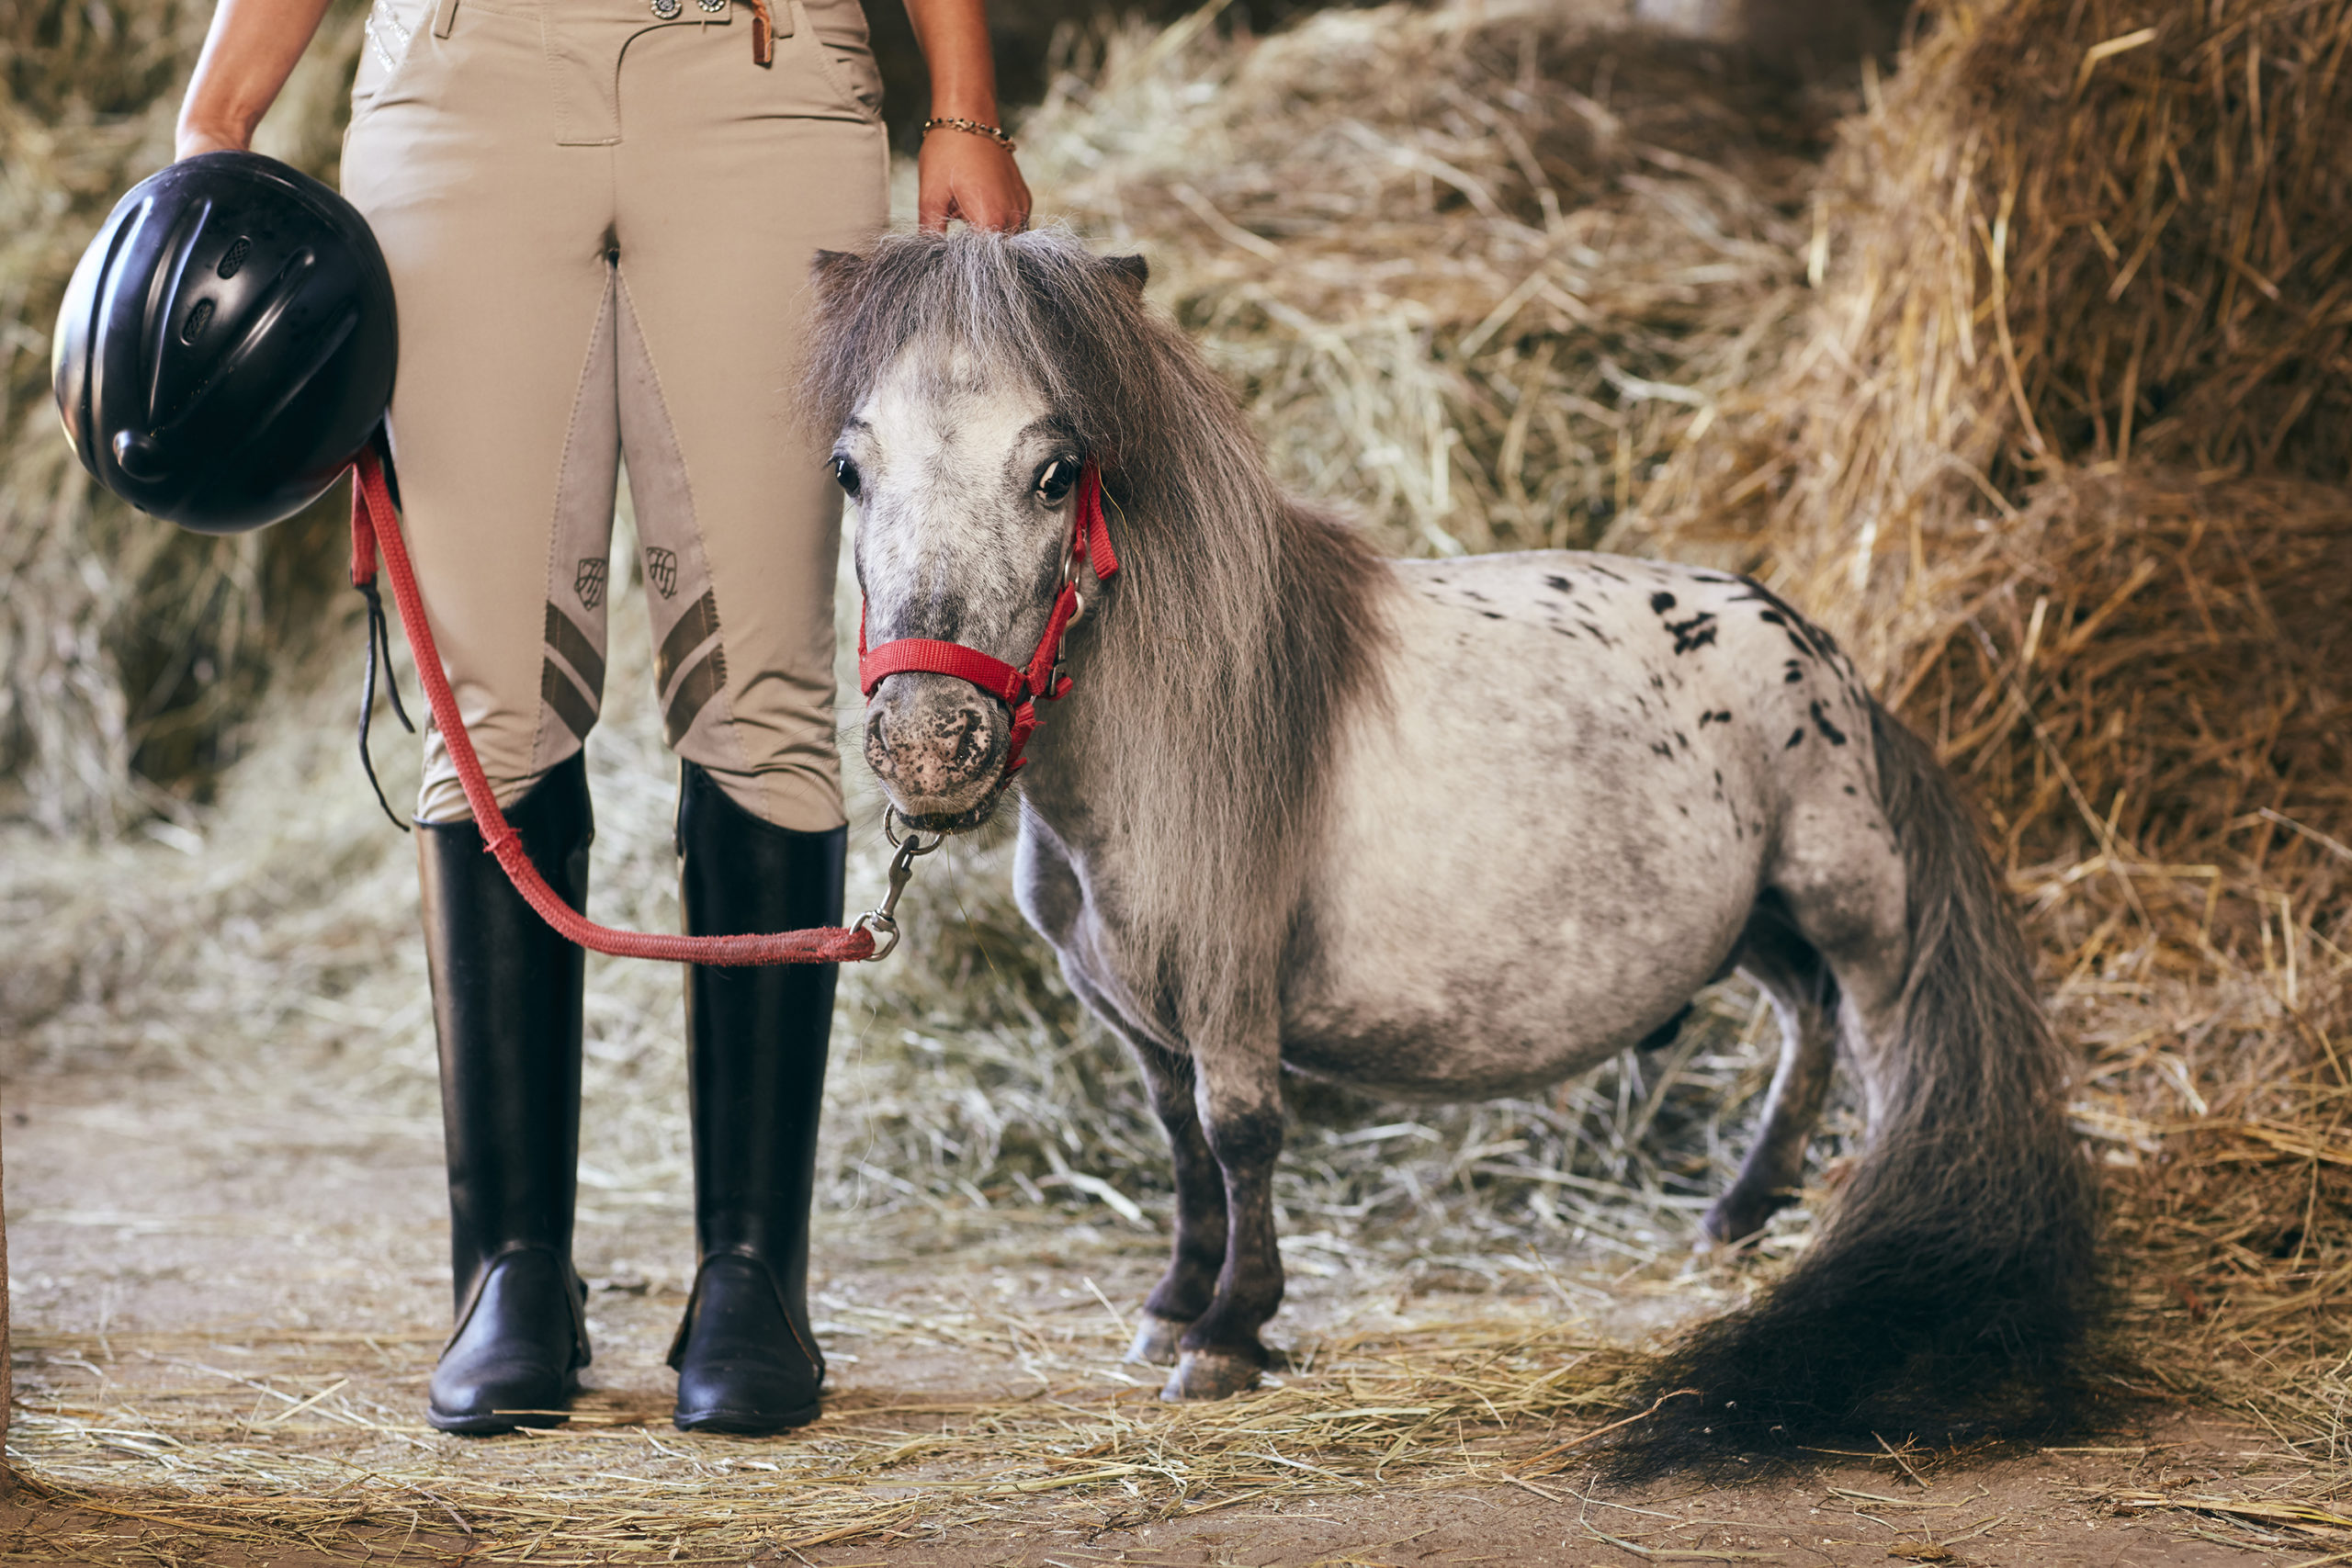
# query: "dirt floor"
x,y
194,1261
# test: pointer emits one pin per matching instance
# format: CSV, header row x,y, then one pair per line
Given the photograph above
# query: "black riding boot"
x,y
755,1068
506,1006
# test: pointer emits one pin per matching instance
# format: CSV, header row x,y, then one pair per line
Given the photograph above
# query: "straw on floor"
x,y
2028,377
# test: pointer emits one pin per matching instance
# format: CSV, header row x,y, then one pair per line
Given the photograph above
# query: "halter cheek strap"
x,y
1016,688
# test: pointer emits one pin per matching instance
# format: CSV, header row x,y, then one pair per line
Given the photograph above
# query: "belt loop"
x,y
445,16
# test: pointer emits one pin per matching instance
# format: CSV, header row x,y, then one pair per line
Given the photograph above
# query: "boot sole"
x,y
745,1423
492,1423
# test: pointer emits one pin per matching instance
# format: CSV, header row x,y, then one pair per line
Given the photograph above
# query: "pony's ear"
x,y
1133,271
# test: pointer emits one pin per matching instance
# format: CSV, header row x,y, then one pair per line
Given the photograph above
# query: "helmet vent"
x,y
197,320
235,258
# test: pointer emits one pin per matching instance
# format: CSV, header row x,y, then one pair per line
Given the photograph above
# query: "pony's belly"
x,y
1434,1012
1515,881
1434,1058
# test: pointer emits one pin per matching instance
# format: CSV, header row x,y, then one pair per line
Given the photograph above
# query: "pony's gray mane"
x,y
1243,626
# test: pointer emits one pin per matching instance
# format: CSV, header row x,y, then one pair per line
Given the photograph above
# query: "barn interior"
x,y
2010,337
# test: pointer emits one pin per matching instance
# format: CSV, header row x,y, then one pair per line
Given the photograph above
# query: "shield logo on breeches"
x,y
661,570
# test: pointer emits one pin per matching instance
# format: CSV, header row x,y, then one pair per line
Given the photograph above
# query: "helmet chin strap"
x,y
376,525
1019,689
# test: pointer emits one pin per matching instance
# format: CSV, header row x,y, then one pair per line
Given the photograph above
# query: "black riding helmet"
x,y
227,344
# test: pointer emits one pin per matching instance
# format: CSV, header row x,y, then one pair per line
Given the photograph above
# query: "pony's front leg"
x,y
1240,1106
1185,1291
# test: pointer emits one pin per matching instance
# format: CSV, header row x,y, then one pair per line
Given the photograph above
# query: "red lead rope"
x,y
375,523
1016,688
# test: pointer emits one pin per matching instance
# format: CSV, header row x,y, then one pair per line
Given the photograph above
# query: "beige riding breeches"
x,y
599,216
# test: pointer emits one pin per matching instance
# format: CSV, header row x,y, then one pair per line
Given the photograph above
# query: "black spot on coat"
x,y
1696,632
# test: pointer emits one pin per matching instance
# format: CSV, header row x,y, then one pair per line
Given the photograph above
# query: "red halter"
x,y
1018,689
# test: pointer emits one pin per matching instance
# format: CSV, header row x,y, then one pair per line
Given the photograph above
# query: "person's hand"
x,y
192,140
962,174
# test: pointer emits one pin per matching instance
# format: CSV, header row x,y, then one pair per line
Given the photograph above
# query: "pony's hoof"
x,y
1725,1227
1738,1218
1210,1374
1156,1341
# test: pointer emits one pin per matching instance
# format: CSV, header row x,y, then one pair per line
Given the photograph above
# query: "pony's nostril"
x,y
971,740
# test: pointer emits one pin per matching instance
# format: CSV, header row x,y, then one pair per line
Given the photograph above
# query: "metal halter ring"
x,y
890,820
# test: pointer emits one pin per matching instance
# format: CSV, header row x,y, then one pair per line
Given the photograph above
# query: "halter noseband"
x,y
1018,689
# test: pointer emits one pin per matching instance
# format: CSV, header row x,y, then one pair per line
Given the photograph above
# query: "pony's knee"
x,y
1244,1137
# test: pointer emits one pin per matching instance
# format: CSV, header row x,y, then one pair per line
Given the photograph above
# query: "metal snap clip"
x,y
668,9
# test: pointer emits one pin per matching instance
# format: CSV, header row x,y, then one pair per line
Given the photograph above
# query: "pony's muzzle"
x,y
938,745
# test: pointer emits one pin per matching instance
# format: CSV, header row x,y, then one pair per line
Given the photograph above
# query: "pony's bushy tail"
x,y
1952,1287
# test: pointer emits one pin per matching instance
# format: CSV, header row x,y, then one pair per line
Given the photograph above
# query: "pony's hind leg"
x,y
1185,1291
1805,994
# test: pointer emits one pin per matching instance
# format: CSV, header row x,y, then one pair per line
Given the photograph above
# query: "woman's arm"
x,y
962,173
248,55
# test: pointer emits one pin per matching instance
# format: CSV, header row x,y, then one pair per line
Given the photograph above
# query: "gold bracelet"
x,y
975,127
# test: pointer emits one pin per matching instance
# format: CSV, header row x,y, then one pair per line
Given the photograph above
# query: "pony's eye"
x,y
845,475
1055,479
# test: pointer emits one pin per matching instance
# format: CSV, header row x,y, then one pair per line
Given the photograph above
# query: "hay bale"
x,y
2136,663
1476,269
2061,446
2069,234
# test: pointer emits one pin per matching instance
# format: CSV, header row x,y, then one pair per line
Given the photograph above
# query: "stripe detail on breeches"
x,y
697,625
574,703
563,700
566,638
704,682
707,676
